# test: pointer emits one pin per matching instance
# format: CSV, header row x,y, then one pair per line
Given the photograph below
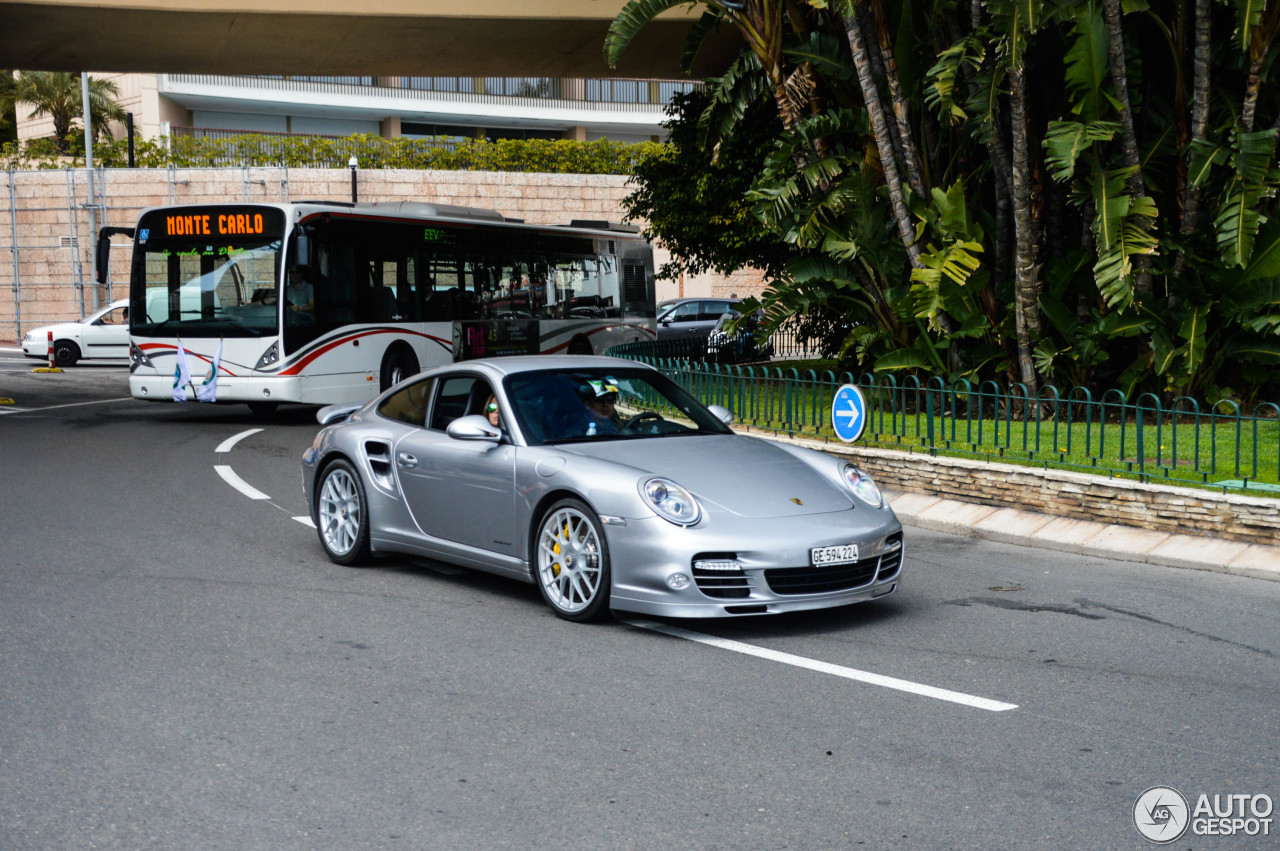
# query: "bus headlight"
x,y
137,356
269,357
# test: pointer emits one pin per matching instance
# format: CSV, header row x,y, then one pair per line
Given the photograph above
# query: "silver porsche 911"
x,y
604,484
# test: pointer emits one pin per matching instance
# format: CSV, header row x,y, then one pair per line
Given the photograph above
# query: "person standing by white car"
x,y
104,334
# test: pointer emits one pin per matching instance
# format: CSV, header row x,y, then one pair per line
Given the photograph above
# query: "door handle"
x,y
404,459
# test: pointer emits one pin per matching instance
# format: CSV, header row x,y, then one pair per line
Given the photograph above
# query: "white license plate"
x,y
841,554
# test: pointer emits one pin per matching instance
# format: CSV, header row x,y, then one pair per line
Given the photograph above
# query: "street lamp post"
x,y
353,162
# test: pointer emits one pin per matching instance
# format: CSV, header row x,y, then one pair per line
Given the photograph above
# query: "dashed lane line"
x,y
229,476
226,445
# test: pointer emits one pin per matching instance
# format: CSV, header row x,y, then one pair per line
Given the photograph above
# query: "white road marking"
x,y
226,445
229,476
827,668
306,521
9,410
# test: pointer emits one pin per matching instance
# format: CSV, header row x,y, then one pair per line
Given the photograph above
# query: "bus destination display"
x,y
481,339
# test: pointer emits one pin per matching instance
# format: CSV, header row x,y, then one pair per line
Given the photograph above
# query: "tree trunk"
x,y
1128,137
880,131
901,109
1252,86
1026,310
1199,125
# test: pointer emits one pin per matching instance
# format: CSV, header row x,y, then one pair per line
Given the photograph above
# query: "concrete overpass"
x,y
550,38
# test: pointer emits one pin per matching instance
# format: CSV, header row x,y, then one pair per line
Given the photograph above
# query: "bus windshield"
x,y
208,272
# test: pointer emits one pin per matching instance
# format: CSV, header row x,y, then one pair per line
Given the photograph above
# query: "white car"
x,y
104,334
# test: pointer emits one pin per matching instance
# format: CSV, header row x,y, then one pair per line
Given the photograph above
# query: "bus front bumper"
x,y
317,390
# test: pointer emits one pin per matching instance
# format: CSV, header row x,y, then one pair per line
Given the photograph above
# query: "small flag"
x,y
208,390
181,376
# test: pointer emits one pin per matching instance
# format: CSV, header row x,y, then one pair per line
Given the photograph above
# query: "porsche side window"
x,y
410,404
459,396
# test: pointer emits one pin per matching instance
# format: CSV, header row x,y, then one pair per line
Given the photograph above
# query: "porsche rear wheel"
x,y
571,562
342,514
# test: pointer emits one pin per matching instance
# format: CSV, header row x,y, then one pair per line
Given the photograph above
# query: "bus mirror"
x,y
302,250
102,251
103,260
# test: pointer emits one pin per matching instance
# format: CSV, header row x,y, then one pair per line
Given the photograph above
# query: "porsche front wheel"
x,y
571,561
342,514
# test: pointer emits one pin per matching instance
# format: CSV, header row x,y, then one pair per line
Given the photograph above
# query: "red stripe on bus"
x,y
151,346
312,355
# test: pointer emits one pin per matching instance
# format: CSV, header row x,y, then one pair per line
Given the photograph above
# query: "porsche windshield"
x,y
567,406
207,272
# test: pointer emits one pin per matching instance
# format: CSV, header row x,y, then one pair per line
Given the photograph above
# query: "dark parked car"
x,y
691,318
740,346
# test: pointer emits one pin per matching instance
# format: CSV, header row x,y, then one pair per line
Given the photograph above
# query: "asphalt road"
x,y
181,667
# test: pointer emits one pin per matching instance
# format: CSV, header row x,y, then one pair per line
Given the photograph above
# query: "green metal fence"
x,y
1146,438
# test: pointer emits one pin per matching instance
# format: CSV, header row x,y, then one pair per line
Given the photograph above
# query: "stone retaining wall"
x,y
1160,507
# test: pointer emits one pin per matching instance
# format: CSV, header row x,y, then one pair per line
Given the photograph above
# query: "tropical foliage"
x,y
1066,191
59,96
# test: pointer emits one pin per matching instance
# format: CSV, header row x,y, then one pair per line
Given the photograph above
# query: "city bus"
x,y
324,302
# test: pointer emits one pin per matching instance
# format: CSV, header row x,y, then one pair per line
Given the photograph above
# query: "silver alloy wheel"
x,y
569,560
340,510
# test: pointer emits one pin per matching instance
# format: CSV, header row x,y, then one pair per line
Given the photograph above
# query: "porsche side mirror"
x,y
473,427
331,414
724,415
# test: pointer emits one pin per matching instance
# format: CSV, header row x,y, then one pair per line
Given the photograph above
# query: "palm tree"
x,y
8,121
57,94
1128,136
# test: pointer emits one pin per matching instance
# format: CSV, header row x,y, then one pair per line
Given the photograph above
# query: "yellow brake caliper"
x,y
555,548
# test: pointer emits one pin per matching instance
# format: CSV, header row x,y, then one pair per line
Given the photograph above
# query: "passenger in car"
x,y
600,398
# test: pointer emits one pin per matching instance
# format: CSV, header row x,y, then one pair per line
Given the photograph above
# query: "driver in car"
x,y
600,398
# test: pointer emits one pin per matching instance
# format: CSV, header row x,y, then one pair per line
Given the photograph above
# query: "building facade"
x,y
448,108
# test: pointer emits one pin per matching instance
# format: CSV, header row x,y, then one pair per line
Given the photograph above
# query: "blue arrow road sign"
x,y
849,413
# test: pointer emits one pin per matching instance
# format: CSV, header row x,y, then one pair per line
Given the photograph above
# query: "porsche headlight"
x,y
863,486
671,502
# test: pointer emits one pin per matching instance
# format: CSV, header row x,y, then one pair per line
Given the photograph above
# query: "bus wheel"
x,y
398,364
263,409
65,353
580,346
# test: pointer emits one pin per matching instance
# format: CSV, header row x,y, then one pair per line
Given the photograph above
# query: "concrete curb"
x,y
1102,540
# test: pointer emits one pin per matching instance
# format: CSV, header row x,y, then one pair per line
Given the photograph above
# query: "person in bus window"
x,y
300,294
